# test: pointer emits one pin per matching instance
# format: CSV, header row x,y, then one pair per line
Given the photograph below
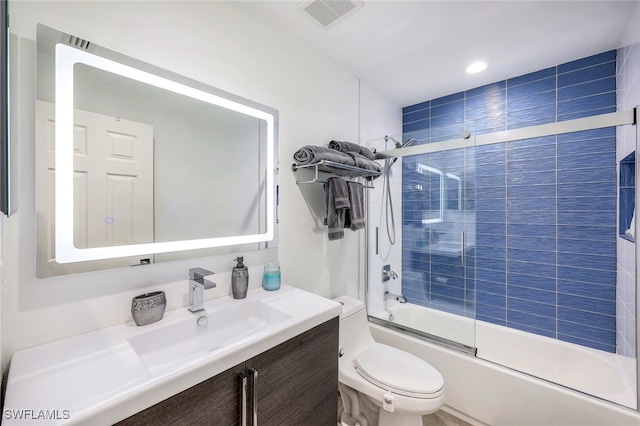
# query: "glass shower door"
x,y
438,247
433,195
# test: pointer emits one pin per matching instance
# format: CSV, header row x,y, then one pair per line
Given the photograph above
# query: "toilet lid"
x,y
398,371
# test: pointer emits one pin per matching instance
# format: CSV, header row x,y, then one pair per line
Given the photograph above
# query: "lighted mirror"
x,y
135,164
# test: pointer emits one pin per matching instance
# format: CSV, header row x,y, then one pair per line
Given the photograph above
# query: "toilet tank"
x,y
350,306
355,335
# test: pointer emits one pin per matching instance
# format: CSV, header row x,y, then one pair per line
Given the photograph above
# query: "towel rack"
x,y
335,169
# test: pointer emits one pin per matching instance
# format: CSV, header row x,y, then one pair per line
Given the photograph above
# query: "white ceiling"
x,y
412,51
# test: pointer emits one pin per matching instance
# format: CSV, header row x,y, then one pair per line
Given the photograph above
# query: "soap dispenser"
x,y
239,279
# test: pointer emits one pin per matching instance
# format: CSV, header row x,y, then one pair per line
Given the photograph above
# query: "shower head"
x,y
408,142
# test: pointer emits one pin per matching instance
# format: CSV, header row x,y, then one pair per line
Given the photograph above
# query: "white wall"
x,y
218,44
385,253
376,124
2,222
628,96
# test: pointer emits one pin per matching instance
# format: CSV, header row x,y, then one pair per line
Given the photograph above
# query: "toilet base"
x,y
358,409
361,410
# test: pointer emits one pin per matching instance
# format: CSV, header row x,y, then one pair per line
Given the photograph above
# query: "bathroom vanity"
x,y
295,383
282,345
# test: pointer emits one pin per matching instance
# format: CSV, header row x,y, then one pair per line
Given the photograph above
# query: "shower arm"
x,y
398,145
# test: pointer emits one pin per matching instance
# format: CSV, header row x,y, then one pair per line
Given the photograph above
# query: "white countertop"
x,y
98,378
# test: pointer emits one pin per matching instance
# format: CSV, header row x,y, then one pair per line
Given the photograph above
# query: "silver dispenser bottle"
x,y
239,279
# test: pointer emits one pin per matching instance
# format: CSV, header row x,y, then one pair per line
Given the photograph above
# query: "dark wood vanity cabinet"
x,y
296,384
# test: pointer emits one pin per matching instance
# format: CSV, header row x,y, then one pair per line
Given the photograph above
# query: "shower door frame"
x,y
614,119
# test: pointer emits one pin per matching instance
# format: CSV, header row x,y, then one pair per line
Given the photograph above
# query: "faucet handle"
x,y
199,273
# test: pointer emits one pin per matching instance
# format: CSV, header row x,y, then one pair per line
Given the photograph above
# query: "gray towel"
x,y
354,219
337,195
312,154
352,147
364,163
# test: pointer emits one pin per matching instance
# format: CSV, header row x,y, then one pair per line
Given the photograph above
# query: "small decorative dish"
x,y
148,308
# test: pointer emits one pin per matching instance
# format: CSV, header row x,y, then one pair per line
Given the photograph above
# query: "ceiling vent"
x,y
328,13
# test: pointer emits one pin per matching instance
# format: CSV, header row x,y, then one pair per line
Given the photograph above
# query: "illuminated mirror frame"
x,y
424,169
65,59
458,190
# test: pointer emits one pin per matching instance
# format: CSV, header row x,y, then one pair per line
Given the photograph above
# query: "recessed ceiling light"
x,y
476,67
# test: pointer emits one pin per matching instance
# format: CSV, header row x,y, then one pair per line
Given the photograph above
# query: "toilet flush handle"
x,y
340,352
388,402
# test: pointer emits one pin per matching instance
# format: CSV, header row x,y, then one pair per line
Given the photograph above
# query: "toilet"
x,y
380,384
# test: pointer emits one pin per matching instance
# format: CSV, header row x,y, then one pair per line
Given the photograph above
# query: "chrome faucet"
x,y
388,274
399,297
197,285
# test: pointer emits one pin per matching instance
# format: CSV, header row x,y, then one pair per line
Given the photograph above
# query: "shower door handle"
x,y
462,243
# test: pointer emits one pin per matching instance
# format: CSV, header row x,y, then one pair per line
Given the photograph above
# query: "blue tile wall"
x,y
544,259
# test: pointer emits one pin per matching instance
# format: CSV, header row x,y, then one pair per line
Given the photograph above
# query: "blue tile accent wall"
x,y
544,209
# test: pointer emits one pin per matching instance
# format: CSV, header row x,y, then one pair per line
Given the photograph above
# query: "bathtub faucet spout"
x,y
399,297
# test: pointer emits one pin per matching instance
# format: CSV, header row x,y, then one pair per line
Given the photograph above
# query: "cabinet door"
x,y
215,401
297,381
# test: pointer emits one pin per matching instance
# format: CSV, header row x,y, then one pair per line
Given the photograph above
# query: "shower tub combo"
x,y
494,374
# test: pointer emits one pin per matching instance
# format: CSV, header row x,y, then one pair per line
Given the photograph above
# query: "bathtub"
x,y
552,370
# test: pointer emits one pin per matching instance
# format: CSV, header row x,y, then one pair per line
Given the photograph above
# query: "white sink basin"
x,y
170,346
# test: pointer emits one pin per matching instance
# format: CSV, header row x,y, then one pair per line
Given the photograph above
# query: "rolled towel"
x,y
352,147
364,163
312,154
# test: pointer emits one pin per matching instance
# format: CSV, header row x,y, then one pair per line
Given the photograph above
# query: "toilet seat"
x,y
399,372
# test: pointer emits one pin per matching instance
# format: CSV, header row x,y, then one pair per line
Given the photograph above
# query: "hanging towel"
x,y
312,154
354,219
352,147
631,232
337,195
